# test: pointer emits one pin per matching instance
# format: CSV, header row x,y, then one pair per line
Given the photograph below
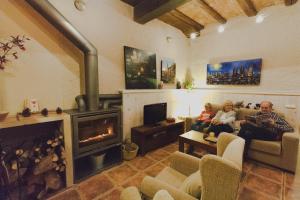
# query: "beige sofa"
x,y
282,154
213,177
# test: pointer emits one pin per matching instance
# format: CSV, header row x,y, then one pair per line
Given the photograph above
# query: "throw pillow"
x,y
192,185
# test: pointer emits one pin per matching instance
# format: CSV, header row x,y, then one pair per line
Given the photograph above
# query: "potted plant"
x,y
129,149
188,82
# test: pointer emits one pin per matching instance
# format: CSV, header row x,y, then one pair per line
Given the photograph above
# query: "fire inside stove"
x,y
99,136
95,131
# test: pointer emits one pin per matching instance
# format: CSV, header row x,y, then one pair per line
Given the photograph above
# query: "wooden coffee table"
x,y
195,138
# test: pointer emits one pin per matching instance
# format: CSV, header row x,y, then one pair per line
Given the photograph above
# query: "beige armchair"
x,y
209,178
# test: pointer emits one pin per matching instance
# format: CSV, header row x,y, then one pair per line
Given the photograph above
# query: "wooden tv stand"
x,y
151,137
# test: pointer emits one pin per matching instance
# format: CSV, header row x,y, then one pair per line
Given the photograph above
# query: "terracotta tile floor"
x,y
259,182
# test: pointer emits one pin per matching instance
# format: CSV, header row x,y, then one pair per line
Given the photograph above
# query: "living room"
x,y
51,69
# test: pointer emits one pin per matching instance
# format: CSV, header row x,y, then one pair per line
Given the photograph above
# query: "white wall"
x,y
49,70
276,41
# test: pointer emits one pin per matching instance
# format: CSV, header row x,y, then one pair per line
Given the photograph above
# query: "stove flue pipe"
x,y
54,17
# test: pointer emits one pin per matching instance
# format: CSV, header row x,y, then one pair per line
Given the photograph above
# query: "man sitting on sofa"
x,y
264,125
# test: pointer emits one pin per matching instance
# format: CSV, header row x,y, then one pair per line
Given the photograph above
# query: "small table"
x,y
195,138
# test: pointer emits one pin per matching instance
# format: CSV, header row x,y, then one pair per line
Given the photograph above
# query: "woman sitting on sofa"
x,y
224,120
204,119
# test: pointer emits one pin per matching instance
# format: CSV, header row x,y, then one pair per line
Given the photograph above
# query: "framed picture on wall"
x,y
140,69
244,72
168,70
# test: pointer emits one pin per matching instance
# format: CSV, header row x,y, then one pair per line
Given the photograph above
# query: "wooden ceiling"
x,y
192,16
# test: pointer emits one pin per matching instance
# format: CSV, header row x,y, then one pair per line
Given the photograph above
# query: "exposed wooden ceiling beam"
x,y
186,19
290,2
147,10
212,12
248,7
132,2
182,22
187,29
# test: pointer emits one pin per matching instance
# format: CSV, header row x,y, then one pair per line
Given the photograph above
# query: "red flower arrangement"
x,y
9,48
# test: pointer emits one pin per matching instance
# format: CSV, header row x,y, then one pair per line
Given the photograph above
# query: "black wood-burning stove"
x,y
97,137
96,130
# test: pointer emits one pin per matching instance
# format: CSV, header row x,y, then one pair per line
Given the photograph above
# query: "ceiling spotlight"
x,y
221,29
194,35
259,19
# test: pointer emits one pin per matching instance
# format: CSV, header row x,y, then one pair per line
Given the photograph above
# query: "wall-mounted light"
x,y
169,39
194,35
259,19
221,28
80,4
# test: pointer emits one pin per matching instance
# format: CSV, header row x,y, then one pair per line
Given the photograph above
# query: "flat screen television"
x,y
154,113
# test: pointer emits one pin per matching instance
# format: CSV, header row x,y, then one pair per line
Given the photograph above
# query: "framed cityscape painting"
x,y
140,69
244,72
168,70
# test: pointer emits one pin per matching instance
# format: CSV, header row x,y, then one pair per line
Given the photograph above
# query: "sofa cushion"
x,y
271,147
216,107
171,176
192,185
245,112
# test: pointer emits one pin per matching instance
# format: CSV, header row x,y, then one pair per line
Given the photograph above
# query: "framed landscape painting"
x,y
244,72
168,70
140,69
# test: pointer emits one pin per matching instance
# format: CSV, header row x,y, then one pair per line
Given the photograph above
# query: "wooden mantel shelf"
x,y
12,121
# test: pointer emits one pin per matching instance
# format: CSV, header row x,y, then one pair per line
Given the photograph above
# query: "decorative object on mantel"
x,y
3,115
188,82
9,49
140,69
244,72
44,112
168,70
26,112
59,110
32,104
